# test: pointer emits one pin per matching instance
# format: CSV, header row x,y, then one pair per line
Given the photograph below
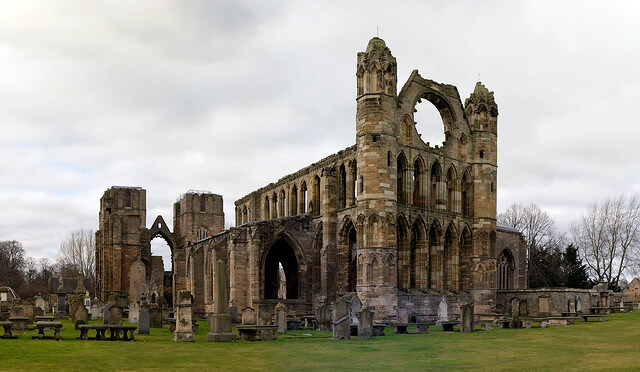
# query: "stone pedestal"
x,y
281,317
220,320
365,323
466,317
184,328
341,327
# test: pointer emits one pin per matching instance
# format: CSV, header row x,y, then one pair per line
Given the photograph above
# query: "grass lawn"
x,y
612,345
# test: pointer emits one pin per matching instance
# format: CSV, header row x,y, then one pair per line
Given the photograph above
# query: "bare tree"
x,y
77,251
608,236
11,263
544,242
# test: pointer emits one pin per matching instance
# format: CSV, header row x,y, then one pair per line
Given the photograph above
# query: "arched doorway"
x,y
505,270
281,260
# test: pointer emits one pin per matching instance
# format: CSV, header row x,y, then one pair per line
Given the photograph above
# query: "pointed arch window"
x,y
505,270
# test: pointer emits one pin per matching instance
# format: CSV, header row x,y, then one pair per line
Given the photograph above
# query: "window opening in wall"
x,y
481,154
342,196
429,123
203,203
389,159
127,199
402,179
303,190
361,184
160,249
281,265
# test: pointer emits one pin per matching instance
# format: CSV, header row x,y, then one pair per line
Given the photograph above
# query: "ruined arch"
x,y
282,251
346,257
419,255
436,182
402,178
451,254
505,269
373,269
266,209
315,203
466,194
342,189
293,201
303,197
435,258
373,231
418,182
466,252
452,186
404,255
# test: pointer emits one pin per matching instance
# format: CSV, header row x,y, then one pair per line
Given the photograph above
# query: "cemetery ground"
x,y
585,346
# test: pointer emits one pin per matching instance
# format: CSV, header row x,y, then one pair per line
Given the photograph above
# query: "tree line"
x,y
602,244
30,276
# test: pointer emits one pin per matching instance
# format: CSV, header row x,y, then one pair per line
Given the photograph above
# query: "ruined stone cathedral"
x,y
397,221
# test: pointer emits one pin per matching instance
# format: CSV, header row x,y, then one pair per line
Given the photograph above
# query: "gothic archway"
x,y
281,254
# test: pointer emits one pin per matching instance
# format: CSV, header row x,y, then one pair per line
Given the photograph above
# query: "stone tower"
x,y
118,239
376,191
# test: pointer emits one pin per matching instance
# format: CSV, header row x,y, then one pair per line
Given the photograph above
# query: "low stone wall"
x,y
545,301
424,308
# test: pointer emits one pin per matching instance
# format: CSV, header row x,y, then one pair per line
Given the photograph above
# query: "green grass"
x,y
612,345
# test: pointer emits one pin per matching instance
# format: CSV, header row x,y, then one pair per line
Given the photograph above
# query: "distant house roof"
x,y
68,285
506,228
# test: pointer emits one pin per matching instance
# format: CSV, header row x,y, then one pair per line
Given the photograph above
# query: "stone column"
x,y
220,320
184,328
281,317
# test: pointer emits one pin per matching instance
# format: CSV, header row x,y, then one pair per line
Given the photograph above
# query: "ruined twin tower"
x,y
391,218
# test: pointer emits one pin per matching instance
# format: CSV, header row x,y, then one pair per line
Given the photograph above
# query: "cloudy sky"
x,y
230,95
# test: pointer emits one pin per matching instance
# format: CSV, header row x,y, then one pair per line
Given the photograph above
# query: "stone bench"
x,y
447,326
569,314
293,325
378,330
622,309
20,323
600,310
7,330
44,318
257,333
44,325
114,332
544,322
601,317
99,328
421,328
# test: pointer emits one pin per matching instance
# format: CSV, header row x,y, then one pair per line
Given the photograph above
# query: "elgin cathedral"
x,y
397,221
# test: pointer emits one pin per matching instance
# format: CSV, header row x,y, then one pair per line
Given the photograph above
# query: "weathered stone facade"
x,y
400,222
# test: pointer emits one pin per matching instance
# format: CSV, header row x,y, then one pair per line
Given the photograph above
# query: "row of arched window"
x,y
416,187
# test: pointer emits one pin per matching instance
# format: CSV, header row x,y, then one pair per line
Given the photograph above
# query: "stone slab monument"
x,y
184,328
265,314
443,312
281,317
341,326
116,313
248,316
155,317
323,319
143,322
134,312
220,320
466,317
105,314
365,323
233,312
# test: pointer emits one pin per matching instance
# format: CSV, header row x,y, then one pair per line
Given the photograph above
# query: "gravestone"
x,y
105,314
572,306
61,308
248,316
354,310
81,315
543,306
115,315
134,312
41,303
184,328
443,312
403,315
341,327
578,304
466,317
155,317
365,323
265,314
37,311
16,312
233,313
323,319
143,322
220,319
281,317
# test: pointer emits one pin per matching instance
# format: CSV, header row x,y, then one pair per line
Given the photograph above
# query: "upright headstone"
x,y
155,317
143,322
115,315
41,303
134,312
248,316
16,311
572,306
220,319
323,319
265,314
184,328
354,310
466,317
578,305
365,323
281,317
403,314
105,314
61,309
341,327
80,315
443,312
233,313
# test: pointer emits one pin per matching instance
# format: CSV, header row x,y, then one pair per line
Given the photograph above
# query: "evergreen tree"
x,y
575,272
